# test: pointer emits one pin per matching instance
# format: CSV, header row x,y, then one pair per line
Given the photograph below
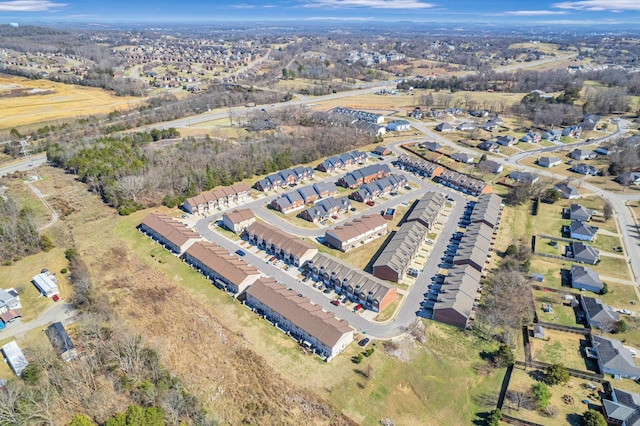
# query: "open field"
x,y
50,102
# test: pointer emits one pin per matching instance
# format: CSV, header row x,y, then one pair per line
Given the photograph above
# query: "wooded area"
x,y
18,233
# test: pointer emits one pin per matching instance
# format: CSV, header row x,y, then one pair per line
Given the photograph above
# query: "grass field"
x,y
559,347
560,313
52,102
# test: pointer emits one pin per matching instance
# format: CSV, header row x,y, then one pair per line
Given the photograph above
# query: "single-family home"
x,y
466,126
583,253
238,220
490,166
572,131
496,119
581,231
613,358
61,342
416,113
549,161
463,157
583,154
479,113
507,140
9,299
567,191
15,358
444,127
432,146
623,408
45,282
524,178
590,121
399,125
531,137
488,146
552,135
603,150
490,126
584,169
626,179
585,278
578,212
598,314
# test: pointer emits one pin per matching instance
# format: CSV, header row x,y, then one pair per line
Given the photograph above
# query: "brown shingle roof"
x,y
279,238
174,232
357,227
238,216
228,266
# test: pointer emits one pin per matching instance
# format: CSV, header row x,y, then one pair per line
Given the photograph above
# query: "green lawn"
x,y
606,242
612,267
619,295
560,314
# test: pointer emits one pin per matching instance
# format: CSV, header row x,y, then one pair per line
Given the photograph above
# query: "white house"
x,y
15,358
399,125
45,282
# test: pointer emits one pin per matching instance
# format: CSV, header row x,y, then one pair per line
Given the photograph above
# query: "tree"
x,y
32,373
520,398
593,418
550,196
605,289
557,374
494,417
503,356
622,326
542,395
81,420
607,211
512,250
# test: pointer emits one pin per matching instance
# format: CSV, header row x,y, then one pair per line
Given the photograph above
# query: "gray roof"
x,y
566,190
463,157
597,311
59,338
426,210
625,407
585,253
614,356
403,246
546,161
579,212
581,228
584,275
523,177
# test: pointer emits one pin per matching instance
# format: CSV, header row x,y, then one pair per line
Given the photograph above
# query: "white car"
x,y
624,311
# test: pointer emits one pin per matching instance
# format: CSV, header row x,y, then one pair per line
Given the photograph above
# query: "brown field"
x,y
50,102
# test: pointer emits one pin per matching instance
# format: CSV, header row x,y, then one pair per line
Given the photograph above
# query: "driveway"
x,y
59,312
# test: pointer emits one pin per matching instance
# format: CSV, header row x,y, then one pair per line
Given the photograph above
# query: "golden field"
x,y
37,102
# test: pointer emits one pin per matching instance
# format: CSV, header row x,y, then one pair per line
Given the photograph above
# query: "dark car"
x,y
335,303
363,342
240,252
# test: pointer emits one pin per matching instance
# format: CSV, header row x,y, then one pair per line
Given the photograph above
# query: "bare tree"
x,y
520,398
607,211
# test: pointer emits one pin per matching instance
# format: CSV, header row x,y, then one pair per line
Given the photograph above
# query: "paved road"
x,y
22,165
59,311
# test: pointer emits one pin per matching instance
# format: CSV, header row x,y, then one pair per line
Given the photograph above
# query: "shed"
x,y
537,277
538,332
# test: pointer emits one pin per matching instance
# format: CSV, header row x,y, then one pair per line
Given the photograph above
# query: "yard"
x,y
559,347
560,313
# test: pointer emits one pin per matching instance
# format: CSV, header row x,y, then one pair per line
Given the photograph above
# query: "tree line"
x,y
18,233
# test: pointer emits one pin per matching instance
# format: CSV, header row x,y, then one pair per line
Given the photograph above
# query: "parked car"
x,y
362,343
326,291
358,307
335,303
55,298
370,203
240,252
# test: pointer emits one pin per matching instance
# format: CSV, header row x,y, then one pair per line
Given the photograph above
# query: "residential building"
x,y
432,146
359,286
490,126
578,212
531,137
549,161
61,342
573,131
583,253
381,150
507,140
219,198
9,299
364,175
490,166
399,125
173,235
225,270
379,188
475,247
419,166
603,151
581,231
585,278
341,161
590,121
288,202
583,154
552,135
325,208
567,190
15,358
488,146
359,115
356,233
466,126
622,409
488,210
463,183
598,314
523,178
613,358
479,113
444,128
313,327
627,179
284,178
45,282
463,157
416,113
427,210
279,243
392,264
238,220
454,302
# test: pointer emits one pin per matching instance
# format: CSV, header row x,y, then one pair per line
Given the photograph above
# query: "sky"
x,y
528,12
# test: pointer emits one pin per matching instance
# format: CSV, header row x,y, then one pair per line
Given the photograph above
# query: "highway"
x,y
23,165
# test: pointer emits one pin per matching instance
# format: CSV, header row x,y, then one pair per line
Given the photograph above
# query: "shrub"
x,y
557,374
622,326
70,253
46,244
512,250
494,417
31,373
63,271
542,395
593,418
503,356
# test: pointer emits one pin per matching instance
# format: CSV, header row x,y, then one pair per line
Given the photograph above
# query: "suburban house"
x,y
590,121
419,166
399,125
219,198
416,113
583,154
585,278
288,202
313,327
359,286
507,140
613,358
578,212
622,409
523,178
444,127
225,270
326,208
364,175
603,151
275,241
356,233
341,161
392,264
381,151
490,166
238,220
359,115
322,189
567,190
488,146
581,231
454,302
573,131
45,282
9,300
479,113
552,135
463,157
379,188
463,183
490,126
598,314
531,137
171,234
427,210
466,126
14,358
432,146
627,179
61,342
549,161
584,253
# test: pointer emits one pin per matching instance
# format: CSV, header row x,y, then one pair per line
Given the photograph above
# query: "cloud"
x,y
243,6
29,6
534,12
600,5
375,4
339,18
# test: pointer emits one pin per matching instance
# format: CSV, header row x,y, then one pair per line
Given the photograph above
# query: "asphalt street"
x,y
33,161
